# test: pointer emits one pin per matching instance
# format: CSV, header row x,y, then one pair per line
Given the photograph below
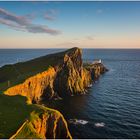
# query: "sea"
x,y
111,108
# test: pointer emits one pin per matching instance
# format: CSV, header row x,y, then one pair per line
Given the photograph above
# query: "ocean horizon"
x,y
110,109
69,69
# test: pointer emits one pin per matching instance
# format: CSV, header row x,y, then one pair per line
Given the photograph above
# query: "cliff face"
x,y
51,126
21,120
36,86
95,70
65,78
46,124
69,79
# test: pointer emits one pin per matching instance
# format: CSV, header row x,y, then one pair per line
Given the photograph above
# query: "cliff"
x,y
48,77
45,124
35,87
21,120
67,76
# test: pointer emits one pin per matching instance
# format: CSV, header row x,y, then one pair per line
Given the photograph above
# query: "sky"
x,y
54,24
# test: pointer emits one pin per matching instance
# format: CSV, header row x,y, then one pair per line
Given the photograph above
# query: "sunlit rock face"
x,y
51,126
67,77
45,124
34,87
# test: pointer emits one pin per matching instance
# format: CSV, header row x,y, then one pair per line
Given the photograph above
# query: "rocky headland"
x,y
49,77
69,76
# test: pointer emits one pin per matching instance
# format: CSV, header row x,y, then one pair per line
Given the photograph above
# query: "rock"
x,y
19,120
46,124
67,77
52,126
35,87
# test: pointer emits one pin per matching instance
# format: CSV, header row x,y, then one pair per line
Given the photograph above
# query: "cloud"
x,y
41,29
50,14
9,23
24,23
11,17
99,11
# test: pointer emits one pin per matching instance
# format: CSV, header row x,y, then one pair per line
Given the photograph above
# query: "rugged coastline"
x,y
50,77
67,77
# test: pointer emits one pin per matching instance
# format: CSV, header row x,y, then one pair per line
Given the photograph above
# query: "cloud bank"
x,y
23,23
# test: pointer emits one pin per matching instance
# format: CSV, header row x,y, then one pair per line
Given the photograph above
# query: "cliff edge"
x,y
66,76
19,120
44,123
48,77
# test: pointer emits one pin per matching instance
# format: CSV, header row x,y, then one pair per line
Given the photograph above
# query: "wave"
x,y
101,124
84,122
76,121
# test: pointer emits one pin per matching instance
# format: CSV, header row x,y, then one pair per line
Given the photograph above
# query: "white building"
x,y
97,61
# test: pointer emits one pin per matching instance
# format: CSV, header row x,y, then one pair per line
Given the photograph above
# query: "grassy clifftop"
x,y
14,74
67,76
48,77
20,120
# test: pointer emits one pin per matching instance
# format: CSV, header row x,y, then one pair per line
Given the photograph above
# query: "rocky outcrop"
x,y
46,124
35,87
19,120
67,77
95,70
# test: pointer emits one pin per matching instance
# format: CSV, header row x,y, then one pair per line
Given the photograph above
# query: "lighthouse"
x,y
100,61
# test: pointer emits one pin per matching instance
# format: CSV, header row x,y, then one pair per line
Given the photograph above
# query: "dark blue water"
x,y
113,100
10,56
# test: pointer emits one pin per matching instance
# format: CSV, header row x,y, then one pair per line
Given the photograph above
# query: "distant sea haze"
x,y
111,107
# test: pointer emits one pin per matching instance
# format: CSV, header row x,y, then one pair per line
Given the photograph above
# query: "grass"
x,y
14,74
14,112
28,132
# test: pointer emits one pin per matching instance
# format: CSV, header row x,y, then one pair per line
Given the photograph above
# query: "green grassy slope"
x,y
27,132
14,112
17,117
11,75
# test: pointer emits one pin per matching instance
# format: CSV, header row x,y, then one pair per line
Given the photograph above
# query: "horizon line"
x,y
72,47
